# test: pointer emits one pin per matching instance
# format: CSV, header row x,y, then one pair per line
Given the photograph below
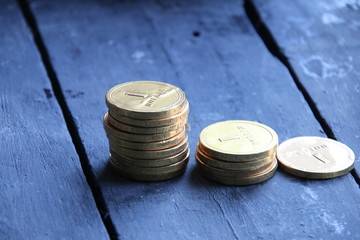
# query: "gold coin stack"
x,y
237,152
145,126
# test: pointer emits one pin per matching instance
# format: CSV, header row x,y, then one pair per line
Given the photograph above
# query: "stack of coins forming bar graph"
x,y
237,152
146,128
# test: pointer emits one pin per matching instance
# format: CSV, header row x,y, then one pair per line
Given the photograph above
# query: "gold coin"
x,y
150,145
146,178
315,157
114,132
238,140
129,162
145,100
144,130
152,170
180,169
254,179
182,116
229,173
151,154
256,165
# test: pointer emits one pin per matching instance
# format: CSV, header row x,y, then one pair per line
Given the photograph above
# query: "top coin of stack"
x,y
237,152
145,126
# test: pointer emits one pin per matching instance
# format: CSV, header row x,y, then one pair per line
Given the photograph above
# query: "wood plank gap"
x,y
269,41
356,176
70,123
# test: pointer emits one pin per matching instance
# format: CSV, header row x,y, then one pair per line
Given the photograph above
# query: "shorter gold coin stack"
x,y
237,152
146,128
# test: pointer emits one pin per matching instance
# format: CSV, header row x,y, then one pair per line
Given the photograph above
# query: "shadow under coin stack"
x,y
145,126
237,152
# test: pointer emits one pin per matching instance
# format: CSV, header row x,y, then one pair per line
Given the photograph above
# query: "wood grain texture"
x,y
211,51
321,41
43,192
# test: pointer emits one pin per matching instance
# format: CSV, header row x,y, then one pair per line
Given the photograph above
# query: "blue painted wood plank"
x,y
321,41
209,49
43,192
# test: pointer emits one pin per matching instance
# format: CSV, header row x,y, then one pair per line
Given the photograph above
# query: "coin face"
x,y
315,157
145,99
238,140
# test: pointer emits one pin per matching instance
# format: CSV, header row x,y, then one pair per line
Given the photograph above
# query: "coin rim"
x,y
154,163
150,177
231,173
144,130
153,170
159,122
243,181
142,178
149,146
227,165
134,137
150,154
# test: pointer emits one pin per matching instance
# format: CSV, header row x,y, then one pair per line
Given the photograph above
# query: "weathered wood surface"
x,y
322,42
209,49
43,192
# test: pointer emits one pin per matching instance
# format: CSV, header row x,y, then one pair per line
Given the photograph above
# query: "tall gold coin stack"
x,y
145,126
237,152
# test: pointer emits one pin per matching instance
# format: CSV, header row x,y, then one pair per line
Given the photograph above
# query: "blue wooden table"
x,y
292,65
